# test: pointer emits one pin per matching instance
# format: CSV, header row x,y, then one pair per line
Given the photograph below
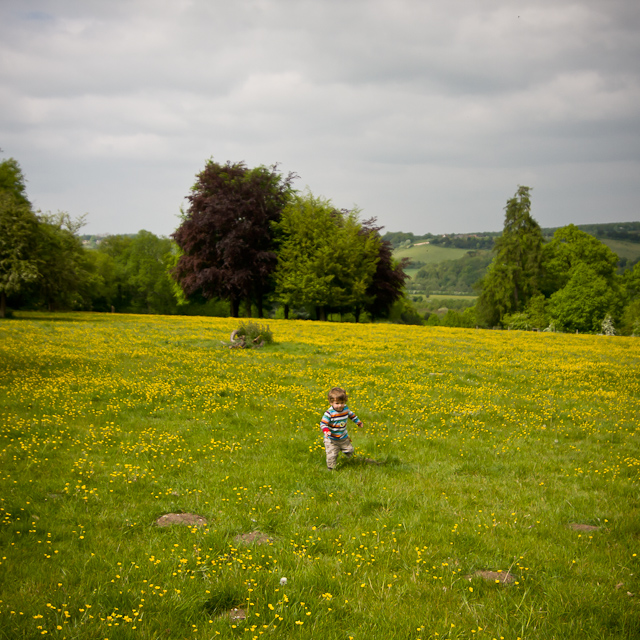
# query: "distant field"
x,y
448,296
628,250
429,253
433,254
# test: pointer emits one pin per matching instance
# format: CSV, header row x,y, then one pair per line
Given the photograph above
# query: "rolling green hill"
x,y
428,253
623,249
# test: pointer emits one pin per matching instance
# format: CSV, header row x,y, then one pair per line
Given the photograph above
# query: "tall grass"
x,y
482,452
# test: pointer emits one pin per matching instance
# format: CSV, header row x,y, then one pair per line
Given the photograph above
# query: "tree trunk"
x,y
321,314
357,313
286,311
259,304
235,307
3,304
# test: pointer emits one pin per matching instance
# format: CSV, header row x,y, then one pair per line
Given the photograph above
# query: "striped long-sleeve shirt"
x,y
336,422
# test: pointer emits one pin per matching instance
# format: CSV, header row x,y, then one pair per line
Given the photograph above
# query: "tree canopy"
x,y
226,236
18,240
514,275
331,261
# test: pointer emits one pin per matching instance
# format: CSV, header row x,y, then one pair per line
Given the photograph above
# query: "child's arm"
x,y
355,418
324,424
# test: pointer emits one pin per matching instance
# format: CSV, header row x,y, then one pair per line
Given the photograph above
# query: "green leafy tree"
x,y
355,256
630,321
18,241
514,275
136,269
302,276
67,275
12,181
570,247
326,258
582,304
570,260
147,266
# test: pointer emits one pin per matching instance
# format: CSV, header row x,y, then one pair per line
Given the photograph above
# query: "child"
x,y
334,427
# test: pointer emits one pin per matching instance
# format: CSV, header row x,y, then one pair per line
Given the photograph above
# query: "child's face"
x,y
338,405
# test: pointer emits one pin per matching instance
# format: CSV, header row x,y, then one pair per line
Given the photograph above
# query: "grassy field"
x,y
628,250
430,253
495,491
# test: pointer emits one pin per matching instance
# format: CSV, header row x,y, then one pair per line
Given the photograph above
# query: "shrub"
x,y
250,335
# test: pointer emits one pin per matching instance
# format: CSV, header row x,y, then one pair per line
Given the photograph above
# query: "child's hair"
x,y
337,393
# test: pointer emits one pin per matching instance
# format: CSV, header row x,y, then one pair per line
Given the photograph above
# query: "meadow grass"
x,y
481,452
430,253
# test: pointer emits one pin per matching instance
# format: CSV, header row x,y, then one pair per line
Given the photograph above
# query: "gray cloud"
x,y
425,114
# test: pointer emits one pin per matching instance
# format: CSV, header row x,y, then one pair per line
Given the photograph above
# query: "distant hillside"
x,y
627,232
453,263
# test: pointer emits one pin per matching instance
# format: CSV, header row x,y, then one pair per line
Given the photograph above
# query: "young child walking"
x,y
334,427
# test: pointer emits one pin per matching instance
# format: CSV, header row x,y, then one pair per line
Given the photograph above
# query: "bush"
x,y
403,312
250,335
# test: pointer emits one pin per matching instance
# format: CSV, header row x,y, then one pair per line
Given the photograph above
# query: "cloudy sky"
x,y
427,114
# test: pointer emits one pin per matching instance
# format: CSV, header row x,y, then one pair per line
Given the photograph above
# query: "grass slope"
x,y
492,447
429,253
623,249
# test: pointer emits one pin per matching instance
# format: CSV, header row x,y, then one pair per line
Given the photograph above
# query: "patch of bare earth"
x,y
189,519
237,614
254,537
582,527
494,576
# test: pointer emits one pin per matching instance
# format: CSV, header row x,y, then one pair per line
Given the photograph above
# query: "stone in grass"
x,y
189,519
494,576
237,613
253,537
582,527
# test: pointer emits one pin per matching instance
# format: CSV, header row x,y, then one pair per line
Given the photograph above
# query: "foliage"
x,y
534,316
583,303
137,268
469,241
569,248
12,182
250,335
226,236
330,261
388,279
513,276
623,231
18,238
465,318
403,312
67,275
458,303
459,275
630,325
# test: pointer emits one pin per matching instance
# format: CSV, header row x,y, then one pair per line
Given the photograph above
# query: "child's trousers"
x,y
334,447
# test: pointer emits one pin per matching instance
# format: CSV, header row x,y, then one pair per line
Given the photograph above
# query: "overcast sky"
x,y
426,114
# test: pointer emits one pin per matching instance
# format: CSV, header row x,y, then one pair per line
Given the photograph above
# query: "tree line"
x,y
570,283
624,231
249,237
247,244
250,244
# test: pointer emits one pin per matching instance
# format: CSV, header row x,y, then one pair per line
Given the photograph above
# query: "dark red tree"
x,y
388,280
226,235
